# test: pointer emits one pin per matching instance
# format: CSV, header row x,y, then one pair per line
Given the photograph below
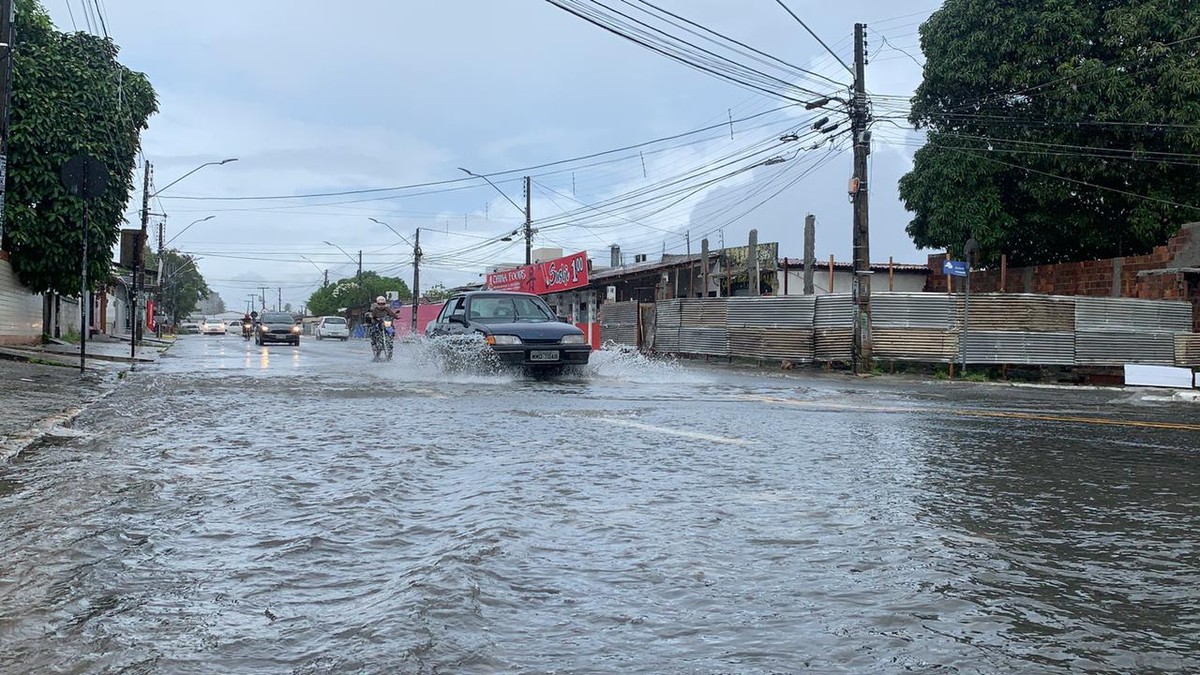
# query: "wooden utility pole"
x,y
859,120
416,289
810,252
6,37
139,265
528,224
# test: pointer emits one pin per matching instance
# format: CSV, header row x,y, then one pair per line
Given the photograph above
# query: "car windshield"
x,y
335,322
275,318
510,309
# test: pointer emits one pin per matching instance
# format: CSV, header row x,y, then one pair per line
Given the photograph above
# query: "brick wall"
x,y
1169,272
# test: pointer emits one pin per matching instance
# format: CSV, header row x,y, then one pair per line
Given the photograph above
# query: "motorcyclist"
x,y
381,341
380,310
247,323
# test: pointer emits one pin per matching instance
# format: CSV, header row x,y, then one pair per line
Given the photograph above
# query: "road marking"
x,y
679,432
966,412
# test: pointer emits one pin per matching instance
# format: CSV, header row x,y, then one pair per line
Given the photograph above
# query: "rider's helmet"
x,y
381,300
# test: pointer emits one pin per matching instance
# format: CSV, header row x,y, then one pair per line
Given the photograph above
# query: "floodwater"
x,y
275,510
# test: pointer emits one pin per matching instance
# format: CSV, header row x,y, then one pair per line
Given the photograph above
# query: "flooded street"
x,y
243,509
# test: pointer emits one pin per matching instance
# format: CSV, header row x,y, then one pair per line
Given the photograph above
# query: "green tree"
x,y
69,96
346,293
436,293
183,285
1057,130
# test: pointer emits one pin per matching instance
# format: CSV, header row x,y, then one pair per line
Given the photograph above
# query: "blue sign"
x,y
955,268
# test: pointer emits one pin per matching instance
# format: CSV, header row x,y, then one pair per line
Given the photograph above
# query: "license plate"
x,y
543,355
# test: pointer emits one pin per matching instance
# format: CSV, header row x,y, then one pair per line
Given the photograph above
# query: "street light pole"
x,y
528,227
416,289
358,278
135,332
528,224
417,254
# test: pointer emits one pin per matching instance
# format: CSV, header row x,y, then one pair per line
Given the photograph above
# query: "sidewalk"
x,y
42,389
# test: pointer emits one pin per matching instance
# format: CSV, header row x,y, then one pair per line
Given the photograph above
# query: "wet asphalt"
x,y
234,508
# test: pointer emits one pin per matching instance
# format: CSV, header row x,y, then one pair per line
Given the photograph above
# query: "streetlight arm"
x,y
352,258
489,182
186,229
163,189
313,264
374,220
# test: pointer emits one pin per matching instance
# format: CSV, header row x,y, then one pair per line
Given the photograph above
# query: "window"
x,y
510,308
334,321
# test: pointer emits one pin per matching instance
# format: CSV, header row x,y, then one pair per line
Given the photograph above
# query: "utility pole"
x,y
279,299
528,224
859,119
162,225
810,252
139,264
359,277
416,289
262,298
326,279
6,37
691,264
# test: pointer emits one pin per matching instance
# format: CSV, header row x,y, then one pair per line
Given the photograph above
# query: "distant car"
x,y
212,327
233,327
520,328
276,327
188,328
332,327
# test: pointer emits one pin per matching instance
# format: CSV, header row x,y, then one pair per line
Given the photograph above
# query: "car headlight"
x,y
572,340
503,340
295,329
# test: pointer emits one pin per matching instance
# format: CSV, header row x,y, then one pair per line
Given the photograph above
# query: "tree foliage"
x,y
183,285
1057,130
346,293
69,96
436,293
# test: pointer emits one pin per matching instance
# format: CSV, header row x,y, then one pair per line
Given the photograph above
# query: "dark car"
x,y
276,327
520,328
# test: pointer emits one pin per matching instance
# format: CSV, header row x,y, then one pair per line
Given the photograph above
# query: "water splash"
x,y
626,364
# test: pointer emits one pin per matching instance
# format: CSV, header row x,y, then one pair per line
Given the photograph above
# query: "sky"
x,y
356,99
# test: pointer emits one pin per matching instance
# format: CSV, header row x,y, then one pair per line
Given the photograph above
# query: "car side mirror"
x,y
564,319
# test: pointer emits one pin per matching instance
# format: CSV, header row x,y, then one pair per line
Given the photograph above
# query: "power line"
x,y
494,174
815,36
741,44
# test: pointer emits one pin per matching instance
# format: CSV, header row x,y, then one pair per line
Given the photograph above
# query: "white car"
x,y
212,326
233,327
332,327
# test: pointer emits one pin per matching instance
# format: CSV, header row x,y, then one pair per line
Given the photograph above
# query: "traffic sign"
x,y
954,268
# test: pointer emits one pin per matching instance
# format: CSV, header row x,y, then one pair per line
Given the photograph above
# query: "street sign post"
x,y
87,178
969,252
954,268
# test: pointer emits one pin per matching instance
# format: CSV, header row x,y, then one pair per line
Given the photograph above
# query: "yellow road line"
x,y
965,412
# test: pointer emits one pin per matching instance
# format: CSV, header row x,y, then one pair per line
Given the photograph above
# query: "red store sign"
x,y
554,276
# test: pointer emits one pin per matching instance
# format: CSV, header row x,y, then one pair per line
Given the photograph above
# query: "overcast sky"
x,y
317,97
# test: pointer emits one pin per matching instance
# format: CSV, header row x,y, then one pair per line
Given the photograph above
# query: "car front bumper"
x,y
279,337
524,355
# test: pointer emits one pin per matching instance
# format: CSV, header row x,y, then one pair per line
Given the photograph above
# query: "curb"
x,y
15,445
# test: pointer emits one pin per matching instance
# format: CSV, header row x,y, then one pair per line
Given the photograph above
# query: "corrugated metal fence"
x,y
619,323
1000,328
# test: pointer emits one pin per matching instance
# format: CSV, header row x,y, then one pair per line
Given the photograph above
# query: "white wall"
x,y
903,282
20,310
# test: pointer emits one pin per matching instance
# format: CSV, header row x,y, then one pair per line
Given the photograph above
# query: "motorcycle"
x,y
247,330
382,337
